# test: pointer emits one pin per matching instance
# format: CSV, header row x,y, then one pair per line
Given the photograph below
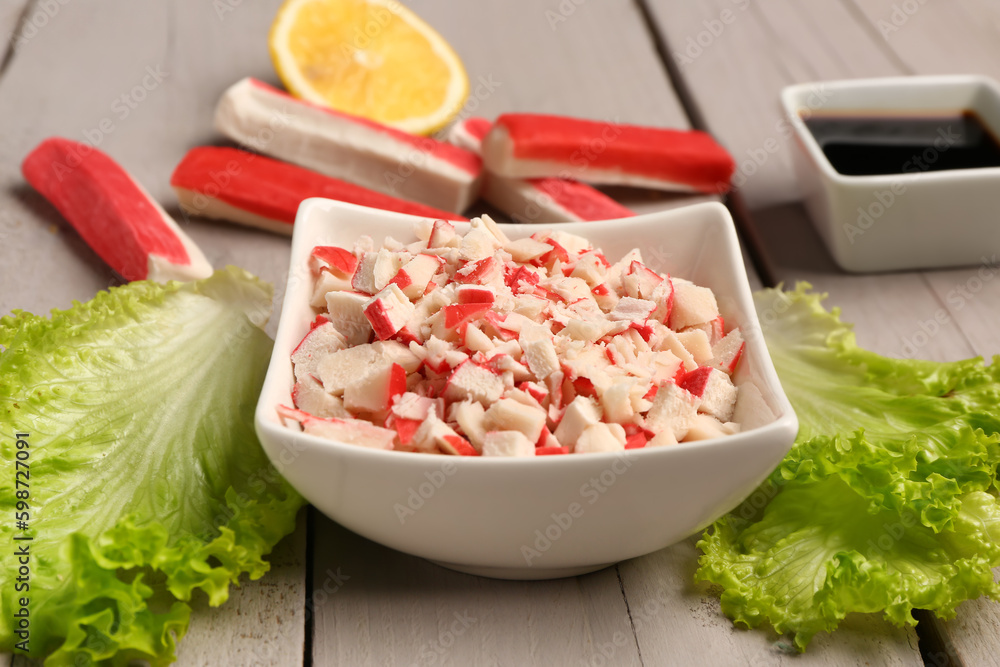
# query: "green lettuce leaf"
x,y
147,481
888,500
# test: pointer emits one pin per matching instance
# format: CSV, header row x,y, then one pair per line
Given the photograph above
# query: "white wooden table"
x,y
335,598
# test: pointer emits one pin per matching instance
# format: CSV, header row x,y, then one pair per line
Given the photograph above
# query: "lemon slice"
x,y
372,58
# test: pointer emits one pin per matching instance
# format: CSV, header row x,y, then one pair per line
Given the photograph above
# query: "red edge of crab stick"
x,y
469,133
113,213
355,149
230,184
537,200
535,145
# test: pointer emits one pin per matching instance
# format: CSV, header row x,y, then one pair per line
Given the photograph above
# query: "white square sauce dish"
x,y
900,173
536,517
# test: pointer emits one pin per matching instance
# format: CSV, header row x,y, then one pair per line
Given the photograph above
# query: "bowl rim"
x,y
791,94
783,427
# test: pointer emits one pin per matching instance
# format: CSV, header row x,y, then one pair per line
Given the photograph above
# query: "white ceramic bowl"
x,y
888,222
534,518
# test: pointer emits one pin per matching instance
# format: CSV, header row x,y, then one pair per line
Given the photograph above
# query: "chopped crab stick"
x,y
537,200
230,184
534,145
113,213
468,342
349,147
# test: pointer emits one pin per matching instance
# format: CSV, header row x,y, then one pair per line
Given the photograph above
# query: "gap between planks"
x,y
213,71
843,40
751,243
47,265
599,64
13,15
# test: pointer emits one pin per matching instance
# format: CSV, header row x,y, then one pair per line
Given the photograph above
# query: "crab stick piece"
x,y
250,189
113,213
349,147
469,133
537,200
534,145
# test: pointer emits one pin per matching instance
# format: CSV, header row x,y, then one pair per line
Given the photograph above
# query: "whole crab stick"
x,y
536,200
113,213
352,148
230,184
535,145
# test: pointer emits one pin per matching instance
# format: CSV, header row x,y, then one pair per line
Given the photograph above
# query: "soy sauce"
x,y
869,145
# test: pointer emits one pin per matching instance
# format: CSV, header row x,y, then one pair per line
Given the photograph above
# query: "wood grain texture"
x,y
696,632
964,319
886,310
942,315
782,43
147,55
121,41
735,57
11,35
533,57
262,623
398,610
918,34
970,639
170,61
376,606
574,66
568,67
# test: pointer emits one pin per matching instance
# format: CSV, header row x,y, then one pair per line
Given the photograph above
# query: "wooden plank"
x,y
262,623
559,55
154,135
177,57
956,315
786,42
394,608
968,298
885,309
376,606
883,318
11,12
971,637
918,32
149,140
548,65
735,76
782,43
695,632
766,36
10,16
536,58
963,323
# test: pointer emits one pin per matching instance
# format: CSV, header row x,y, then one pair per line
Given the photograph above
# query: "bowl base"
x,y
524,573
